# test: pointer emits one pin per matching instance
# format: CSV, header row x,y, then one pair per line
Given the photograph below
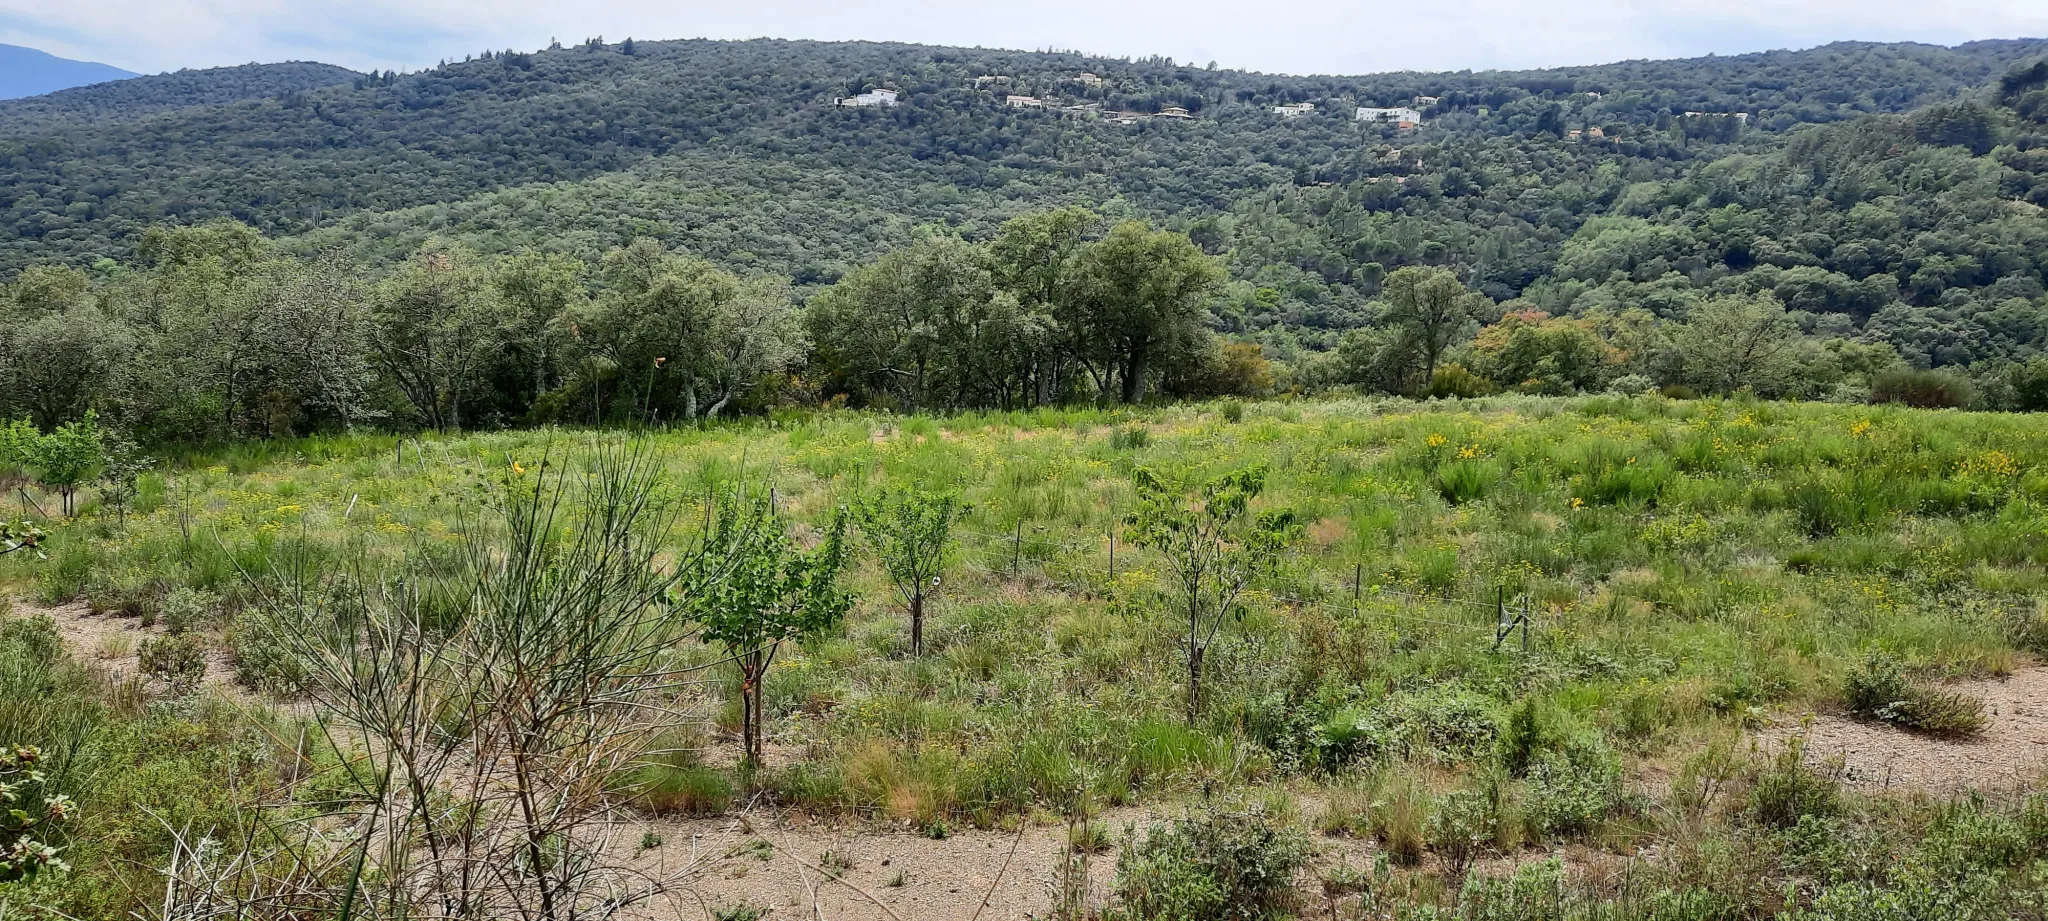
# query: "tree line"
x,y
214,333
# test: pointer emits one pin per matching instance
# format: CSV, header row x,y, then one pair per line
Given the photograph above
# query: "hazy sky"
x,y
1293,36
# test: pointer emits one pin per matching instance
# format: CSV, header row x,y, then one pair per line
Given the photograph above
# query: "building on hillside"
x,y
1573,134
1296,110
1424,102
1024,102
1400,115
1595,134
1174,112
1738,116
1087,79
869,98
991,79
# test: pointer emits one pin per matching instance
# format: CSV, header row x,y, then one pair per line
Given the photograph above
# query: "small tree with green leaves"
x,y
765,591
120,477
912,532
68,457
1215,549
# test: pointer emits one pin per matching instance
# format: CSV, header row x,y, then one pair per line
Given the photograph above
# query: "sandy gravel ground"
x,y
2012,750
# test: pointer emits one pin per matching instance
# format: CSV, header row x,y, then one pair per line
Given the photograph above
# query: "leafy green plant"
x,y
911,531
762,593
1879,689
68,457
1221,865
177,660
1215,548
1786,789
31,811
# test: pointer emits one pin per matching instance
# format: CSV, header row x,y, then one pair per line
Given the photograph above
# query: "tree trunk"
x,y
1134,371
917,625
750,716
1195,655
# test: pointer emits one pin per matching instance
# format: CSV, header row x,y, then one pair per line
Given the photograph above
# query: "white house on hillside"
x,y
870,98
1087,79
1025,102
1294,111
1397,115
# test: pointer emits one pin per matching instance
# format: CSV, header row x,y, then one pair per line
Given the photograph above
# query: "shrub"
x,y
1466,823
176,659
1221,865
1130,437
1233,412
1786,789
1572,791
1880,690
1632,385
187,609
1923,389
1457,381
261,658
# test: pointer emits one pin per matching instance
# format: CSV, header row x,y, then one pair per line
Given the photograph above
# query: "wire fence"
x,y
1002,557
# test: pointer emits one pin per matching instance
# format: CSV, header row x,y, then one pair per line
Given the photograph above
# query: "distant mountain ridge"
x,y
28,72
185,89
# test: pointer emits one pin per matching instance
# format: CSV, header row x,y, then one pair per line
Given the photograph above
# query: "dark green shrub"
x,y
1130,437
1233,412
1457,381
1923,389
1787,789
1220,865
1879,689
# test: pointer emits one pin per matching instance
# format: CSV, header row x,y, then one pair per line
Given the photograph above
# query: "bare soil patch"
x,y
2011,751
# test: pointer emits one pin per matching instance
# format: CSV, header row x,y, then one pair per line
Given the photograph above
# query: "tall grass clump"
x,y
1879,689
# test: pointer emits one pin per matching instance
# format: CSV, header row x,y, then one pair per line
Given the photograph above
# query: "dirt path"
x,y
2012,750
115,642
777,864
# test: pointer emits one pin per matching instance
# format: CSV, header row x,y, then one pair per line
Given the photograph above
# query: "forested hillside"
x,y
1859,208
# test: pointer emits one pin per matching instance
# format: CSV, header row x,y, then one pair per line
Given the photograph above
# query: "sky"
x,y
1284,36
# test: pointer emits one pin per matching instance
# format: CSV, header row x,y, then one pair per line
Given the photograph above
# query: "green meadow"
x,y
1672,575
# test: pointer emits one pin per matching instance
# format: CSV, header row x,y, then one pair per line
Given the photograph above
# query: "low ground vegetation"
x,y
1371,741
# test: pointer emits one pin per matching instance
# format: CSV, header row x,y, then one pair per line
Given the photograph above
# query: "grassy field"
x,y
1689,571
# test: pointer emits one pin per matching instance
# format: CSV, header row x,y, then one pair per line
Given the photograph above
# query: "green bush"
x,y
1572,791
1786,789
1219,865
1879,689
1467,480
178,660
260,656
1923,389
188,609
1457,381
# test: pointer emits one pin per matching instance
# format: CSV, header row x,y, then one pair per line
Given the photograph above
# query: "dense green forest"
x,y
1865,210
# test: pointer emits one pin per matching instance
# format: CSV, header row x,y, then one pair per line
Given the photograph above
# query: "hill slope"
x,y
290,162
28,72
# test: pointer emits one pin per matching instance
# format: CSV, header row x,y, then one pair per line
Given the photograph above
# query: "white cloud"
x,y
1294,36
